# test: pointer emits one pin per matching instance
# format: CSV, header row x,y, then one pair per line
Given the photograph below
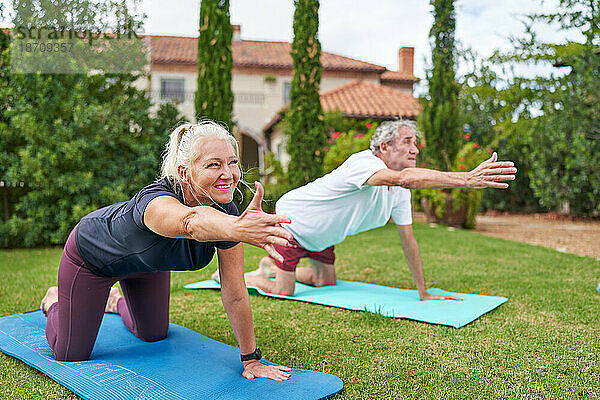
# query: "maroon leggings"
x,y
73,321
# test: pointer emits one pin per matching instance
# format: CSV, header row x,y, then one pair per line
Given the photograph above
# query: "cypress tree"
x,y
305,122
214,97
439,119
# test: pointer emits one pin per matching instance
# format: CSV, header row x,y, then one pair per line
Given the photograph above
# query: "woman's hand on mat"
x,y
490,172
260,229
428,296
254,369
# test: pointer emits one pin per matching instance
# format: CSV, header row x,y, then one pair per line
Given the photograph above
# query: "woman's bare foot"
x,y
113,298
50,298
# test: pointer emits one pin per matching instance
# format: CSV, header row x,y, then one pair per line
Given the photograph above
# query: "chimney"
x,y
406,56
237,33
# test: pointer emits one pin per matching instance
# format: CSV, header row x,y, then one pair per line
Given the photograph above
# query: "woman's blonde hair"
x,y
181,148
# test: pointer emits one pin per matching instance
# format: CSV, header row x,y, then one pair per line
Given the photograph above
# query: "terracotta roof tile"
x,y
248,53
172,49
397,76
360,99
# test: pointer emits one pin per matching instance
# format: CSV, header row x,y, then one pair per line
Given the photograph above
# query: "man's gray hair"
x,y
388,131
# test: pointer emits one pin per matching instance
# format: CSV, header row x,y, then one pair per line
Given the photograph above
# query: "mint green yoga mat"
x,y
387,301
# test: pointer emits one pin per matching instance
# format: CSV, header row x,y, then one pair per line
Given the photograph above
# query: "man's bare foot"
x,y
266,269
113,298
50,298
216,276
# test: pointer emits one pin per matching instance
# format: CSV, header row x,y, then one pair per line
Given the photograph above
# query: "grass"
x,y
544,343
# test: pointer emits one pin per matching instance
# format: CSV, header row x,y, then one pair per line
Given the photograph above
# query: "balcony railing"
x,y
187,97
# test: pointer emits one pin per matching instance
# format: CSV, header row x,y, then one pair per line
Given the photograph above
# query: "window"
x,y
281,150
172,89
286,91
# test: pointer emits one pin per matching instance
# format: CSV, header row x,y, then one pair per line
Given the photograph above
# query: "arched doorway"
x,y
252,147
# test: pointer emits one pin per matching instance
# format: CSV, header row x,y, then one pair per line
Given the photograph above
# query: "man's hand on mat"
x,y
260,229
490,172
428,296
254,369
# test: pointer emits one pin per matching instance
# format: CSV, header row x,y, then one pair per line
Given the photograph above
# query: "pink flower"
x,y
462,159
360,136
475,145
325,148
423,165
490,150
369,125
461,166
467,136
336,135
420,145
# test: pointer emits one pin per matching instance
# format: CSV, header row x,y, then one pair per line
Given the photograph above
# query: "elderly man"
x,y
362,194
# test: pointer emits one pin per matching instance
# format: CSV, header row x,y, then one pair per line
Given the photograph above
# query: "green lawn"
x,y
544,343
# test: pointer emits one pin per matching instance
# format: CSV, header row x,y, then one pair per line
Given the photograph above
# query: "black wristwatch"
x,y
255,355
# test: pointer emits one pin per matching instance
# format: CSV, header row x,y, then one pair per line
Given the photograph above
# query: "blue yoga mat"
x,y
387,301
185,365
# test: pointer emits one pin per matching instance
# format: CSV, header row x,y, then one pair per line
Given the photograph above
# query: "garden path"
x,y
564,234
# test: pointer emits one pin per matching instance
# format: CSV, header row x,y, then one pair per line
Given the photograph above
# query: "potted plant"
x,y
456,207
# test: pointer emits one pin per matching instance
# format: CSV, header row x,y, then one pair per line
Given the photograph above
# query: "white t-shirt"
x,y
339,204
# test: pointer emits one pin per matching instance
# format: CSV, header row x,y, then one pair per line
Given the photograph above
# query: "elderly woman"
x,y
173,224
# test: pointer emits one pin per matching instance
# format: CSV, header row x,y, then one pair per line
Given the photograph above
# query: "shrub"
x,y
342,145
468,157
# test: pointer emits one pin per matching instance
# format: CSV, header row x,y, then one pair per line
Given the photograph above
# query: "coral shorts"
x,y
292,255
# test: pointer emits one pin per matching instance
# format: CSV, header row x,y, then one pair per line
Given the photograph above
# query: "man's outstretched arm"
x,y
413,258
489,173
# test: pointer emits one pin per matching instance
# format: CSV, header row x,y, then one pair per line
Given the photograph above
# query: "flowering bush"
x,y
469,157
342,145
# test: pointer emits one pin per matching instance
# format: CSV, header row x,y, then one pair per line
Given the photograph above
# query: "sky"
x,y
371,31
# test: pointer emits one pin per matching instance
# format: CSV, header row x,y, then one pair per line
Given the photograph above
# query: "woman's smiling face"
x,y
215,173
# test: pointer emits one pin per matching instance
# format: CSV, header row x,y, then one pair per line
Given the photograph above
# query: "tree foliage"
x,y
565,141
9,142
305,122
498,115
439,119
214,97
77,142
94,145
548,124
